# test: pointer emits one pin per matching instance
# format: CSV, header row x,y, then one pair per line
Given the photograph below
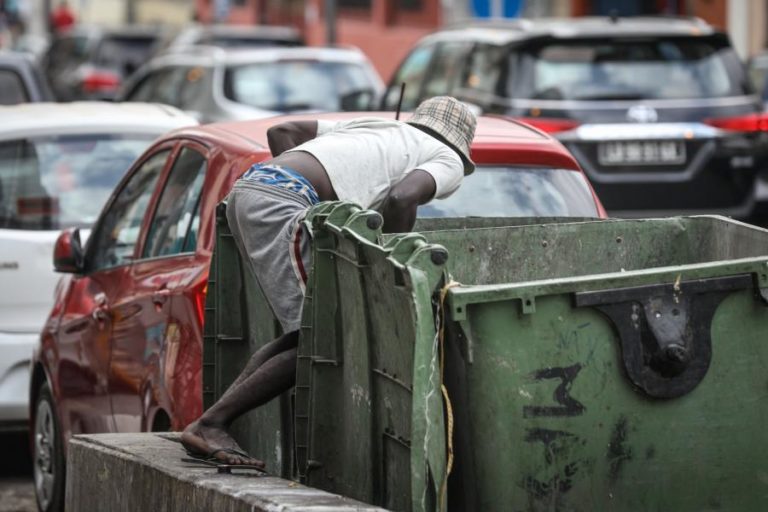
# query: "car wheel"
x,y
48,456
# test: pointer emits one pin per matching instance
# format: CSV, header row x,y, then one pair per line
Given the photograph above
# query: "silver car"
x,y
58,165
214,84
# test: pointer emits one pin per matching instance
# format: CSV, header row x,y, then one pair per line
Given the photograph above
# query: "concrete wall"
x,y
145,472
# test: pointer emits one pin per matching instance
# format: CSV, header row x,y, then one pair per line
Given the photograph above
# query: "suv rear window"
x,y
517,192
631,70
57,182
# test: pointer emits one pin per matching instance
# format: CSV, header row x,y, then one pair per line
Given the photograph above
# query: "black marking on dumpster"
x,y
569,406
555,485
618,451
556,442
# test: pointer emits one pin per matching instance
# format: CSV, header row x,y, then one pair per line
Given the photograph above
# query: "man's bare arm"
x,y
285,136
399,209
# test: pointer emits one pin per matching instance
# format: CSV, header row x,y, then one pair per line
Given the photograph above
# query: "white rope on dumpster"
x,y
446,398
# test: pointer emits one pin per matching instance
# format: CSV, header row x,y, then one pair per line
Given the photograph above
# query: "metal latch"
x,y
666,343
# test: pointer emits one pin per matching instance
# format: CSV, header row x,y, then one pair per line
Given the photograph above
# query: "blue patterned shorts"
x,y
282,177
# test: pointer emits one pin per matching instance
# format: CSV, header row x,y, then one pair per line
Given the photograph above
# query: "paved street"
x,y
16,492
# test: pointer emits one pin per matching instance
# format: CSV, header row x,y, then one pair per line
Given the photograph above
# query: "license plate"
x,y
641,152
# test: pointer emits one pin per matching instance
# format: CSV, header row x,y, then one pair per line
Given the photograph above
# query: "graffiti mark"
x,y
558,445
618,451
569,406
555,441
558,484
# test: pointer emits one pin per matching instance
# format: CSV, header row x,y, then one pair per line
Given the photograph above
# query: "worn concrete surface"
x,y
144,472
17,493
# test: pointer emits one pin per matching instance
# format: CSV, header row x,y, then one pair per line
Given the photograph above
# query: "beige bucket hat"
x,y
451,121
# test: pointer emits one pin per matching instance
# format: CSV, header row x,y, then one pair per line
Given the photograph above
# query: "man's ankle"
x,y
212,422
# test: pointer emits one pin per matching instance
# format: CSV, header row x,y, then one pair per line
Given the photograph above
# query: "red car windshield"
x,y
517,192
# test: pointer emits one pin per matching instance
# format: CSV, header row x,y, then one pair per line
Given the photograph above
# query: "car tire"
x,y
48,454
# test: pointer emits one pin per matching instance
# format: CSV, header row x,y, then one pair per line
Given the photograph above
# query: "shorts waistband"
x,y
281,177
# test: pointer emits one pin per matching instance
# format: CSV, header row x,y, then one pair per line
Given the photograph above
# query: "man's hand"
x,y
399,208
285,136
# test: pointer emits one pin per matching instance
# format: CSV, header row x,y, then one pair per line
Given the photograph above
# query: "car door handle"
x,y
100,314
161,296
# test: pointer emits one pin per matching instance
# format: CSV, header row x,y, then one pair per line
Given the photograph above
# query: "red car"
x,y
121,349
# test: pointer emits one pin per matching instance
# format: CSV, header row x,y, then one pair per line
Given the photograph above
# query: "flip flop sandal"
x,y
210,459
225,468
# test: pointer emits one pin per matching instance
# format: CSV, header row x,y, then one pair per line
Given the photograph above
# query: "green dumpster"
x,y
595,365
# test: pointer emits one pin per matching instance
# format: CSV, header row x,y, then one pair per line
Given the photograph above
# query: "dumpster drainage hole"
x,y
527,302
458,310
619,239
675,312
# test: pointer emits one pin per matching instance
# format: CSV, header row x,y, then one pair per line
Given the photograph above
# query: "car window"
x,y
412,72
290,85
145,89
180,86
12,89
62,181
616,69
174,226
517,192
486,64
115,239
446,68
195,87
168,87
758,70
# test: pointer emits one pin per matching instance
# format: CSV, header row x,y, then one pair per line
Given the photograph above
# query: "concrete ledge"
x,y
144,472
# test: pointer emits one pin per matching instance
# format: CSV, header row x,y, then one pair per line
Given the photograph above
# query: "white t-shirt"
x,y
366,157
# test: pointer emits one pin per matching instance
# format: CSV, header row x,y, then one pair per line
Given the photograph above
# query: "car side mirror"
x,y
68,252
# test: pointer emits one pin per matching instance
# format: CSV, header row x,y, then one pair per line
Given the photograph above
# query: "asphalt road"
x,y
16,490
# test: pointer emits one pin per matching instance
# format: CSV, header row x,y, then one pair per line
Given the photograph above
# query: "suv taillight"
x,y
100,81
745,123
549,124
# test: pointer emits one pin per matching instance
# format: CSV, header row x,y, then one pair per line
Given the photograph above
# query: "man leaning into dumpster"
x,y
381,164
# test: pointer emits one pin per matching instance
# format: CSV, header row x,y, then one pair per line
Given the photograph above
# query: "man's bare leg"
x,y
261,381
285,342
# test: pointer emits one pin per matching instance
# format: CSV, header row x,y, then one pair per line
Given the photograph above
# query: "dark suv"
x,y
659,111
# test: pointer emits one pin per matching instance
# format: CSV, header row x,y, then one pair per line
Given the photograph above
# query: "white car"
x,y
58,165
216,84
